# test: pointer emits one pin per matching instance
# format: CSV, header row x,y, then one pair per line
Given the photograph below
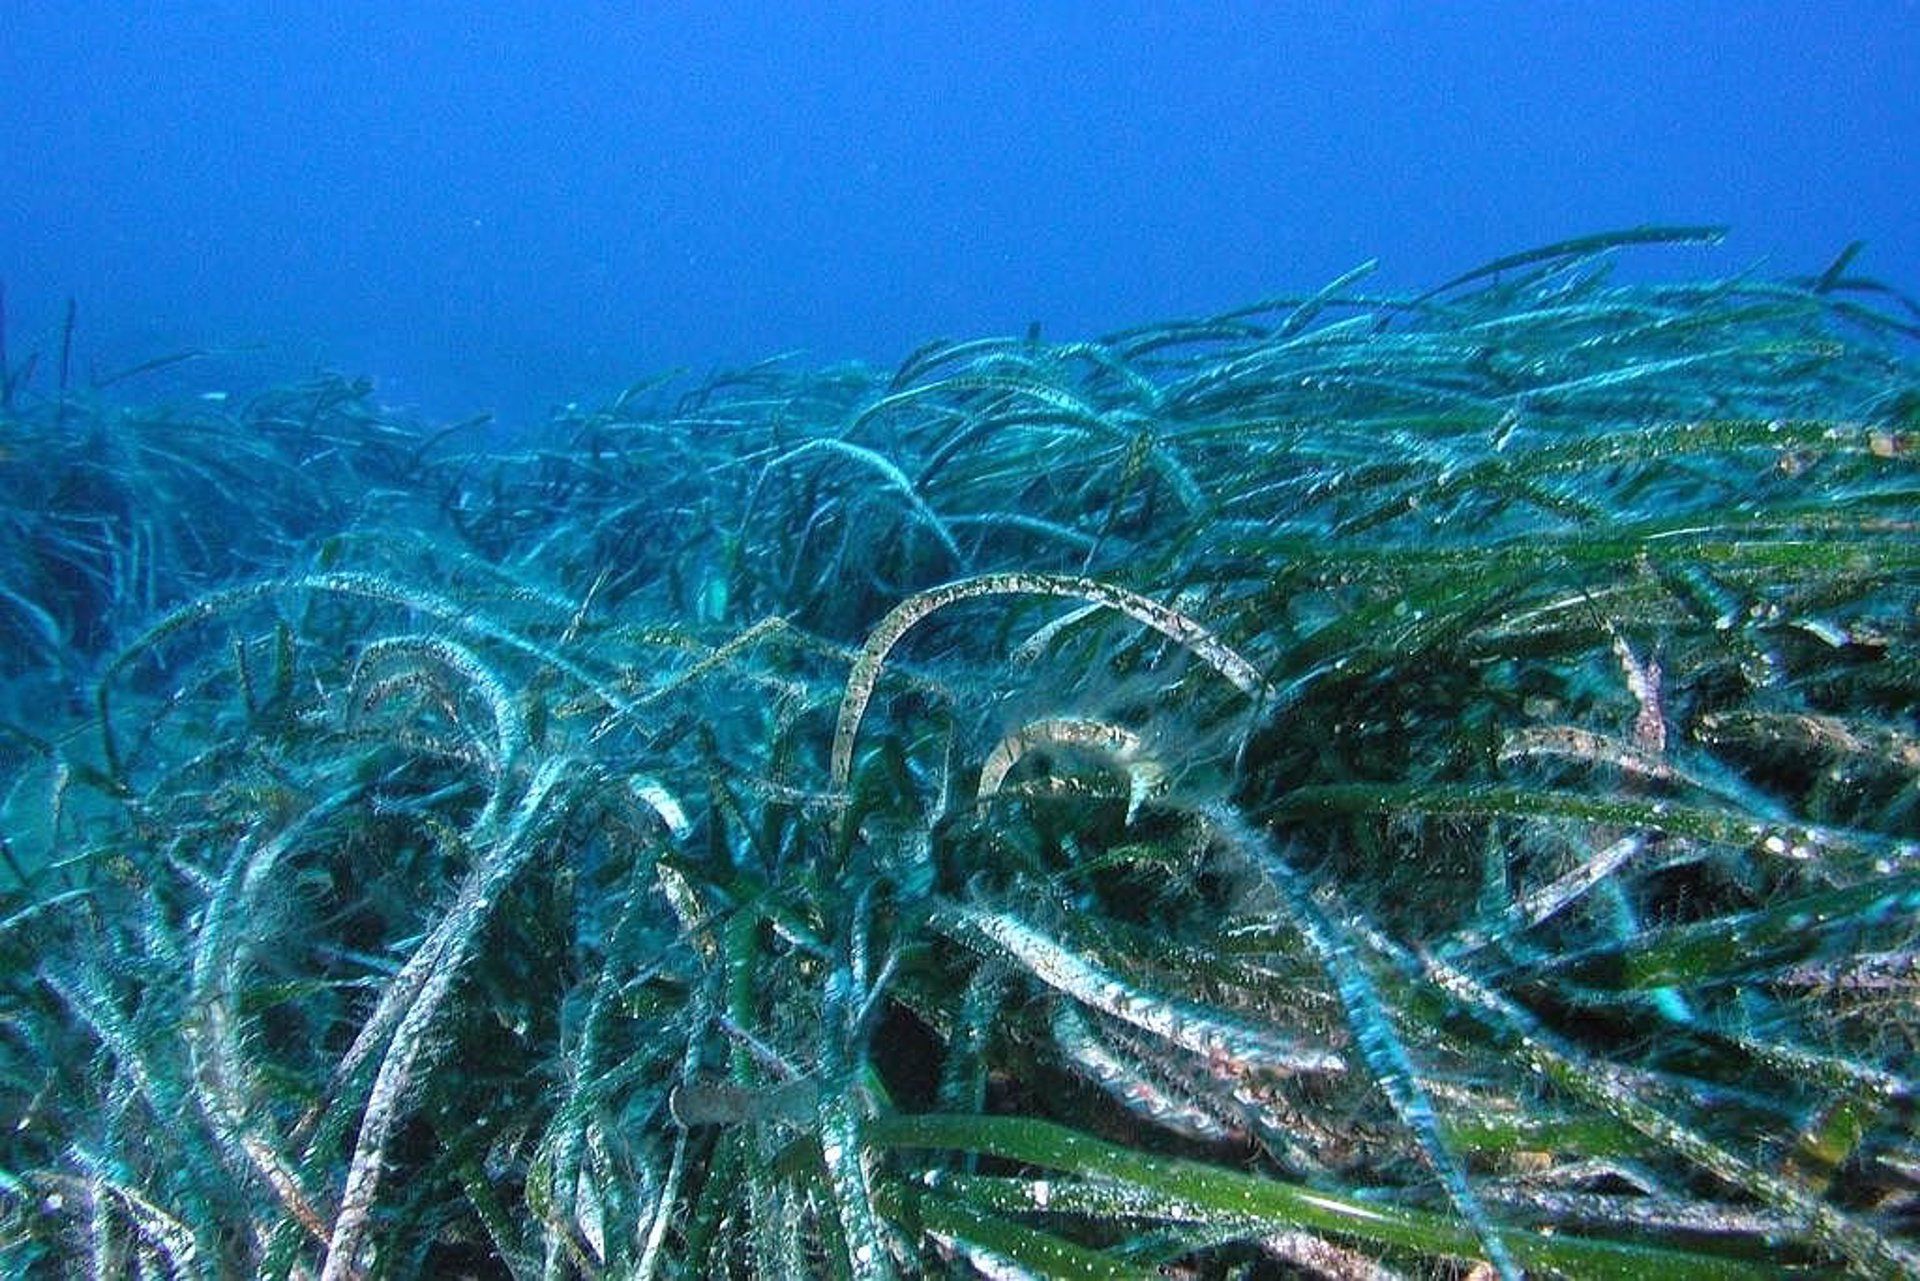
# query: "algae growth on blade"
x,y
1359,781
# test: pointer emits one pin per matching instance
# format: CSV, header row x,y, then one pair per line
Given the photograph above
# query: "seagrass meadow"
x,y
1356,786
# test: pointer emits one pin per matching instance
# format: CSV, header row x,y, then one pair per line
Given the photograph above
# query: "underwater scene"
x,y
1220,642
1357,785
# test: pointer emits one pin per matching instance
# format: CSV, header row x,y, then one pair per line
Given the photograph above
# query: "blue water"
x,y
505,206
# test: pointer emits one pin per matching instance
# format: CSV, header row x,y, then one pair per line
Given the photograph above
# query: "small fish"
x,y
712,1101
